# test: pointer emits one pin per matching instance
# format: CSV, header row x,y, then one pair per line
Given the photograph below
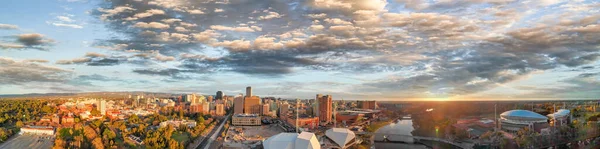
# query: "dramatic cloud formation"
x,y
389,49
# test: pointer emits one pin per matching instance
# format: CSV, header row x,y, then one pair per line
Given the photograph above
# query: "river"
x,y
402,127
405,127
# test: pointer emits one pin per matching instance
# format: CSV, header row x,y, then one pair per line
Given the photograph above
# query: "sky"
x,y
351,49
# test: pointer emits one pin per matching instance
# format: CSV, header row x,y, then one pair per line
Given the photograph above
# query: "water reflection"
x,y
401,127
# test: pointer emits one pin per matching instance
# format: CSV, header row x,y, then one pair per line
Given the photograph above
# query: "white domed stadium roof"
x,y
340,136
307,140
522,114
560,113
304,140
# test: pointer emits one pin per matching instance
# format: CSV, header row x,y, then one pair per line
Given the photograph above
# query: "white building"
x,y
560,117
304,140
188,123
39,130
342,137
515,120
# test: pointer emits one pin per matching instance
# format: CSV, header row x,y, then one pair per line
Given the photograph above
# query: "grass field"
x,y
181,136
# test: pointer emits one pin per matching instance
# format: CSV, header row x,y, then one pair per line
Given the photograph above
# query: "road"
x,y
206,143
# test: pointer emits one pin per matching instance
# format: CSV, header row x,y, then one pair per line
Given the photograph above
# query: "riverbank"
x,y
374,127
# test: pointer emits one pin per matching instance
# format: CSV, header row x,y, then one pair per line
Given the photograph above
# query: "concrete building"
x,y
265,109
176,124
248,91
205,108
368,105
245,120
102,107
219,95
238,105
304,140
283,111
304,121
325,107
38,130
219,109
252,105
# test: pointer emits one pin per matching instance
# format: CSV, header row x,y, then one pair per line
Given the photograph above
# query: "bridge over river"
x,y
386,137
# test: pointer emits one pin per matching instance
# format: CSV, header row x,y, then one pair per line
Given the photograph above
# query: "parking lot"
x,y
29,141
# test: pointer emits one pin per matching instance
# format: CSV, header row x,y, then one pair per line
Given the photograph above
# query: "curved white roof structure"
x,y
307,140
304,140
340,136
522,115
560,113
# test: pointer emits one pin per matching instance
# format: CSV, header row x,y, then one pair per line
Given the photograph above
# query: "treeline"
x,y
115,133
14,114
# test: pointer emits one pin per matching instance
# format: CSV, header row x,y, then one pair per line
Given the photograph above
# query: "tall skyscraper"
x,y
238,105
283,110
248,91
102,107
219,95
252,105
325,107
219,109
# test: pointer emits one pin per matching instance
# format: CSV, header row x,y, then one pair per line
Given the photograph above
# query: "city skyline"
x,y
391,50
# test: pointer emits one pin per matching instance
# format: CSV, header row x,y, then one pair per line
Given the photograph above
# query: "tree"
x,y
134,119
200,120
95,112
19,124
46,109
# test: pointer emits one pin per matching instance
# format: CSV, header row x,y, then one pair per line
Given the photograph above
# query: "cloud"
x,y
237,29
66,25
65,21
156,25
432,48
28,41
8,26
20,72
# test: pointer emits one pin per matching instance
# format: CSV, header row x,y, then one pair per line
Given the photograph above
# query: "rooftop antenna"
x,y
496,115
335,115
297,111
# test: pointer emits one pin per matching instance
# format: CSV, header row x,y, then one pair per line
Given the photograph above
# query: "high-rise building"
x,y
238,105
248,91
219,109
219,95
325,107
368,105
252,105
102,107
205,108
265,109
210,98
283,110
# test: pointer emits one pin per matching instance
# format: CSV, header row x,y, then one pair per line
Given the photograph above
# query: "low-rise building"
x,y
304,121
246,120
40,130
177,123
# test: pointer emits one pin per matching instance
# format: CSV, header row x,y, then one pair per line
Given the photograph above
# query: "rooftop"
x,y
522,114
